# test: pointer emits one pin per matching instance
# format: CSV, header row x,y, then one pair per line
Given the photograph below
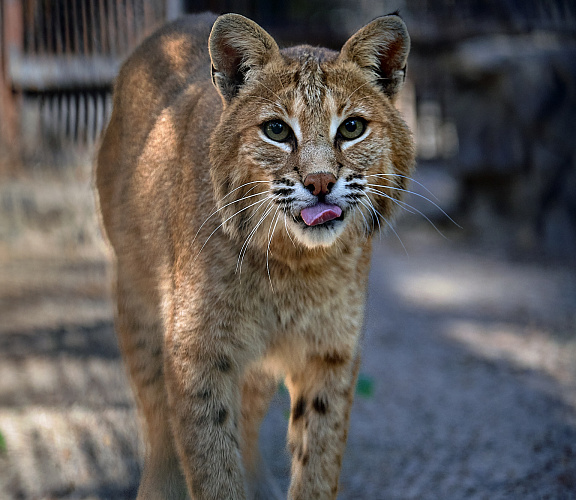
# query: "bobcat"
x,y
241,208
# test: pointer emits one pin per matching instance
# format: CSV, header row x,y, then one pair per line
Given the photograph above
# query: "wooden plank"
x,y
11,38
41,74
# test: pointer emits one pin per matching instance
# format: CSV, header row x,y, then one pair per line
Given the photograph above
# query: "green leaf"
x,y
3,447
365,386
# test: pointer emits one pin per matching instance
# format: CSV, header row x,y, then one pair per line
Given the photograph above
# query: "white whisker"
x,y
265,99
420,196
366,225
224,222
356,90
412,210
243,185
270,236
373,210
390,225
267,209
287,231
394,200
407,178
223,207
269,89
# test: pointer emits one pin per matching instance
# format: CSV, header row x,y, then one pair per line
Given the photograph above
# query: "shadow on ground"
x,y
469,357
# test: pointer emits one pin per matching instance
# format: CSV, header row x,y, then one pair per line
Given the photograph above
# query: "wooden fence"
x,y
59,59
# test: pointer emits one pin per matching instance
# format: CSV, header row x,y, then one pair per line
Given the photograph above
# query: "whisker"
x,y
265,99
372,209
424,198
224,222
267,209
357,89
268,88
371,213
412,210
390,225
394,200
282,86
270,236
366,225
287,231
408,178
243,185
227,205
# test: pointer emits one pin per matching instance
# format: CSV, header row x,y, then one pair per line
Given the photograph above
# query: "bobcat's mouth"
x,y
320,213
319,217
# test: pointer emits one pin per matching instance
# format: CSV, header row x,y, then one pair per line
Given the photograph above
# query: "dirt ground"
x,y
468,382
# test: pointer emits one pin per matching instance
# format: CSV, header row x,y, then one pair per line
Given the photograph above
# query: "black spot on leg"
x,y
156,377
320,405
336,359
305,458
223,363
204,394
221,416
299,409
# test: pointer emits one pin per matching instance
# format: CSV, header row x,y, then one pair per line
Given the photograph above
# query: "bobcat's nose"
x,y
319,184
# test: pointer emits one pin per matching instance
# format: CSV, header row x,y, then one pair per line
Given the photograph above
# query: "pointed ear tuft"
x,y
381,47
238,46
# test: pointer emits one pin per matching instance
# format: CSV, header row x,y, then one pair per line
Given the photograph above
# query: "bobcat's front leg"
x,y
321,400
202,378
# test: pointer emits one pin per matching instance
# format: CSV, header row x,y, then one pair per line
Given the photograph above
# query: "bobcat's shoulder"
x,y
240,186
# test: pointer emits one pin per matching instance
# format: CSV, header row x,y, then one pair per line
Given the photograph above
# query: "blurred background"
x,y
491,93
480,329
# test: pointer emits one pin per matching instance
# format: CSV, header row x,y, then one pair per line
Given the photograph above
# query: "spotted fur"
x,y
222,288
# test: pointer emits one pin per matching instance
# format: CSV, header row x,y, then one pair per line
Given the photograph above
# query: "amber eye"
x,y
277,130
352,128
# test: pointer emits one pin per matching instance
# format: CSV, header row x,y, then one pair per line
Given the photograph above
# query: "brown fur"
x,y
220,296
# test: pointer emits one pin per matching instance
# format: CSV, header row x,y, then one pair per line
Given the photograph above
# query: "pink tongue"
x,y
320,213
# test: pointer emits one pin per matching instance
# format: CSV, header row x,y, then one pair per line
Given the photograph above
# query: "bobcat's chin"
x,y
320,235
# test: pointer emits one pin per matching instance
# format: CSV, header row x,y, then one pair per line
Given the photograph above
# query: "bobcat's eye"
x,y
276,130
352,128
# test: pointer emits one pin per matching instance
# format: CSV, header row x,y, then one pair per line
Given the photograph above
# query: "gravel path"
x,y
468,383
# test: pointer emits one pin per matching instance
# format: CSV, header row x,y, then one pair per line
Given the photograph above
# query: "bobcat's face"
x,y
309,145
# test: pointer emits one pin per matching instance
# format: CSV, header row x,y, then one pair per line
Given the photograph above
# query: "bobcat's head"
x,y
309,143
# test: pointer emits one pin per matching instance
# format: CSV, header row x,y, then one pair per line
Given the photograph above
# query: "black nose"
x,y
319,184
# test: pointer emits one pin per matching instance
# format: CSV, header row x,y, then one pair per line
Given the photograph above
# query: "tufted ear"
x,y
237,46
382,47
